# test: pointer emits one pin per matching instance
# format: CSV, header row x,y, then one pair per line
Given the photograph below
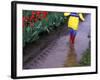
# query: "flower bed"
x,y
37,22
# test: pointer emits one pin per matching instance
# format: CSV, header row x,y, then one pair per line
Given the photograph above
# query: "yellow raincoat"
x,y
73,21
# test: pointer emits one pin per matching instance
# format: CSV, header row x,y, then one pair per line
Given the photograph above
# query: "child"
x,y
73,23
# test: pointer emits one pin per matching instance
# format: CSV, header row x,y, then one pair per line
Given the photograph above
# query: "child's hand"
x,y
81,17
66,13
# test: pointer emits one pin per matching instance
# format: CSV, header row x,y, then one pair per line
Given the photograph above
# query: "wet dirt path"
x,y
59,54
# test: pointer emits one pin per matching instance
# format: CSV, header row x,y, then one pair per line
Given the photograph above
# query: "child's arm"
x,y
66,13
81,16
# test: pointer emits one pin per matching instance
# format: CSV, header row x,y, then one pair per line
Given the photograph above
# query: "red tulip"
x,y
35,20
32,17
38,13
23,24
31,24
33,12
44,14
25,19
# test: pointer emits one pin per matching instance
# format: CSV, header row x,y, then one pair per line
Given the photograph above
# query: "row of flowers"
x,y
35,16
37,22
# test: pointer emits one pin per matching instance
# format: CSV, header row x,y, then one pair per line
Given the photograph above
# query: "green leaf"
x,y
28,29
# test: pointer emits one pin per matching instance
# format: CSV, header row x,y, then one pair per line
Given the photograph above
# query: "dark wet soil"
x,y
32,50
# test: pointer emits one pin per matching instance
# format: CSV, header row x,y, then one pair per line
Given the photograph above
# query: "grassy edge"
x,y
86,58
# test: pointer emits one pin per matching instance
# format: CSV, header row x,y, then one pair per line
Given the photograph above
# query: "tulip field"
x,y
37,22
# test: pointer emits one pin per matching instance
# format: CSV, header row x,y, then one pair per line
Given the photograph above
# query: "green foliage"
x,y
53,19
86,58
27,13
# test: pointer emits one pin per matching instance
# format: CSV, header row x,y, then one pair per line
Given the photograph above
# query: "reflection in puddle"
x,y
71,59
